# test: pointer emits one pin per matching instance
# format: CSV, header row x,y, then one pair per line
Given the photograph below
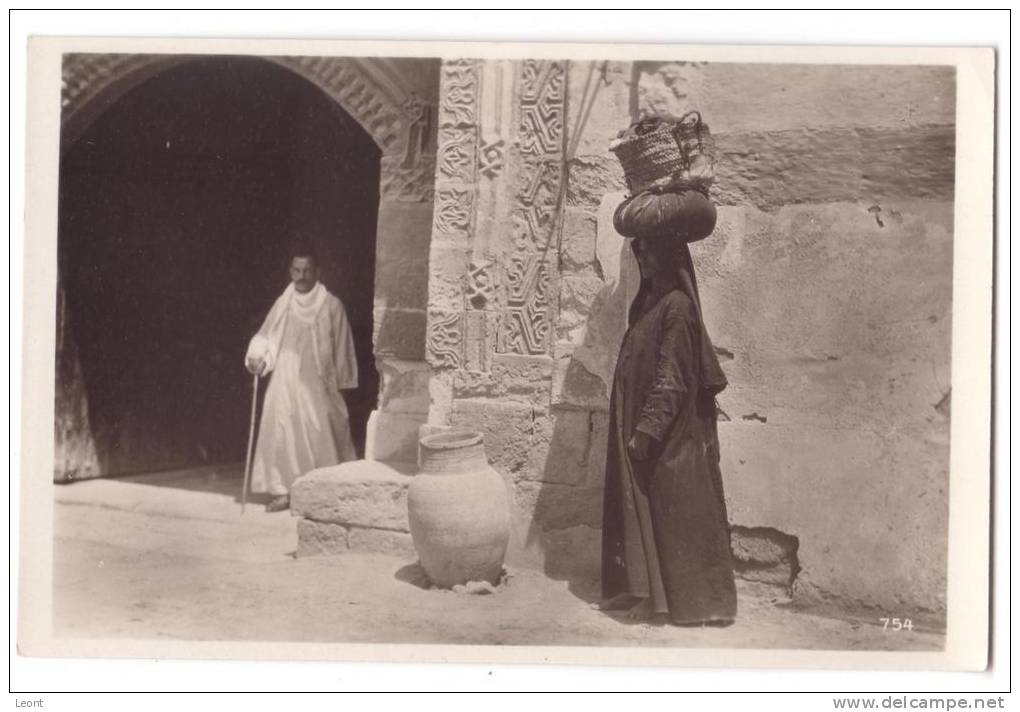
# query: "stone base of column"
x,y
393,437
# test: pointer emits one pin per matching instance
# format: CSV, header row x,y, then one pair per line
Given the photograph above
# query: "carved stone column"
x,y
500,270
494,253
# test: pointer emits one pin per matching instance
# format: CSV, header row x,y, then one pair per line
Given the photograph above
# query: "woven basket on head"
x,y
677,154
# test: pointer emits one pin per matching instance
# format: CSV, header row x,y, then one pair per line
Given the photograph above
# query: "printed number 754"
x,y
896,624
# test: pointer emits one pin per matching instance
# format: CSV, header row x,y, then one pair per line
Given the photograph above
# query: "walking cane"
x,y
251,442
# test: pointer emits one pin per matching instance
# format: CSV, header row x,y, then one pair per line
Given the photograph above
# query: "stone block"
x,y
597,449
444,341
573,382
507,428
393,436
764,555
456,155
762,547
321,538
480,332
402,254
447,270
404,386
769,170
557,506
761,97
403,282
560,445
573,553
403,184
399,333
527,377
611,110
672,88
723,251
361,493
511,376
577,244
482,289
453,215
581,293
440,397
591,177
382,541
476,384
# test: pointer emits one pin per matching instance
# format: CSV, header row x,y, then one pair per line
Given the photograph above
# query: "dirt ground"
x,y
169,557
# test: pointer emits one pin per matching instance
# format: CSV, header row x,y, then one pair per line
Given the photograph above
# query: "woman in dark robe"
x,y
665,545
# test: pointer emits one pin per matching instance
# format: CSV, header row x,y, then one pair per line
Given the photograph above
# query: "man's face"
x,y
303,273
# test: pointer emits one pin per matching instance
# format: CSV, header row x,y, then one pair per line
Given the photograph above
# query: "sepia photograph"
x,y
528,352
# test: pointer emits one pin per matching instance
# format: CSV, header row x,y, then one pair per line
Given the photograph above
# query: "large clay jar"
x,y
458,510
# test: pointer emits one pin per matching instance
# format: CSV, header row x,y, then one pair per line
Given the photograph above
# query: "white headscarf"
x,y
265,345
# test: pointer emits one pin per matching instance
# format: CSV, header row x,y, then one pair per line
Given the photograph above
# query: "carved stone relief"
x,y
536,204
458,93
420,131
400,125
541,88
525,324
482,286
490,159
456,159
410,185
385,120
452,215
480,329
444,340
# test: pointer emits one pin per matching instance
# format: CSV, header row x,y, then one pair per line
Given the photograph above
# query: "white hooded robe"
x,y
306,344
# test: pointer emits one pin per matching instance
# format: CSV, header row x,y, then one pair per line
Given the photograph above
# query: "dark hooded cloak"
x,y
665,528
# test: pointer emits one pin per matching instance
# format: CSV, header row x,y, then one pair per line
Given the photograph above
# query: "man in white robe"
x,y
306,343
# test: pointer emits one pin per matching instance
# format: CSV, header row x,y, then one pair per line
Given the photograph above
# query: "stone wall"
x,y
829,281
827,287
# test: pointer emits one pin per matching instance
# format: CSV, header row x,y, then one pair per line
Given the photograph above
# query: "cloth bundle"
x,y
686,215
669,165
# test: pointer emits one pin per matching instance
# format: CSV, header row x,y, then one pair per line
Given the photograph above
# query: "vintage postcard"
x,y
644,355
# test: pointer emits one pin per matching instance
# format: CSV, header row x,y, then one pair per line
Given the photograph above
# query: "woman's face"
x,y
647,259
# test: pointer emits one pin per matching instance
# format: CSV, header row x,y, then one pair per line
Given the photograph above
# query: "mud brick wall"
x,y
827,288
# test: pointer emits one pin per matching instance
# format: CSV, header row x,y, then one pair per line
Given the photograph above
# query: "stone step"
x,y
359,505
329,539
362,493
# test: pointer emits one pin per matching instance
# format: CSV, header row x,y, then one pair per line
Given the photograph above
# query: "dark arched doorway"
x,y
177,210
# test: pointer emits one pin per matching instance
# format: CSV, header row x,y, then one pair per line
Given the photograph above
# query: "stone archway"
x,y
394,101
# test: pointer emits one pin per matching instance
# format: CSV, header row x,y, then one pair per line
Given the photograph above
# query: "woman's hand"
x,y
639,446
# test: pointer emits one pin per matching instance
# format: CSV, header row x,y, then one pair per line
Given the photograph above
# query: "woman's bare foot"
x,y
708,623
618,602
641,611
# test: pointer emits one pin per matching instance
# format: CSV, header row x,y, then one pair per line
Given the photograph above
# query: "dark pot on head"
x,y
687,215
